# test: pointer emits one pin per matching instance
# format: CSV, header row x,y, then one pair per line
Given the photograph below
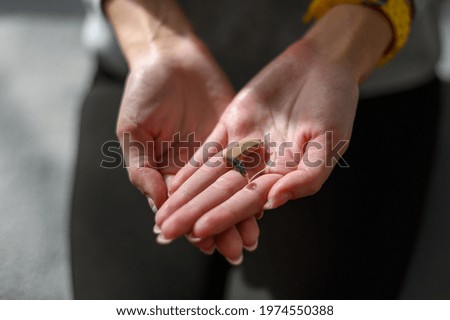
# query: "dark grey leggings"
x,y
353,239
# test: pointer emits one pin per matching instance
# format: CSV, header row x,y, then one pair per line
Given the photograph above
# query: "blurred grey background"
x,y
44,74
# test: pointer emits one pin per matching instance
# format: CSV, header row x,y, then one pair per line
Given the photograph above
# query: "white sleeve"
x,y
93,4
98,37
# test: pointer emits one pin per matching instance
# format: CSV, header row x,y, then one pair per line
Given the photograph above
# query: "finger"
x,y
140,165
199,181
183,219
229,244
213,145
259,215
242,205
168,179
206,188
151,183
249,231
206,245
311,174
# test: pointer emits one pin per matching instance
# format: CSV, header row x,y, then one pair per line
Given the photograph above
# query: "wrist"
x,y
353,37
143,26
170,53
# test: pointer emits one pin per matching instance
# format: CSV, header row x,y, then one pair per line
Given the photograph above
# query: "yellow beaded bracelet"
x,y
399,12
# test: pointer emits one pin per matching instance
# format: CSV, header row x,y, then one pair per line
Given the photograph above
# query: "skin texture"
x,y
309,89
175,87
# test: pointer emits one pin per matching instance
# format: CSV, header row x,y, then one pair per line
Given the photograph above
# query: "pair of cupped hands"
x,y
180,90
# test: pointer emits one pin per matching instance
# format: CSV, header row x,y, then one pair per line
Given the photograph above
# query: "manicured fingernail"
x,y
152,205
251,248
268,205
209,251
260,215
237,261
162,240
156,229
274,203
193,239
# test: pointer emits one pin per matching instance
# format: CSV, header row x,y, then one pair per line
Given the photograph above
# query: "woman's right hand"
x,y
174,96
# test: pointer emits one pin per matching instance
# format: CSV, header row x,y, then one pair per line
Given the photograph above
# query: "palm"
x,y
163,121
170,106
296,105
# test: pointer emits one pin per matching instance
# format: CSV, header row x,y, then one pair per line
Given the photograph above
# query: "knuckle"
x,y
125,127
186,192
223,186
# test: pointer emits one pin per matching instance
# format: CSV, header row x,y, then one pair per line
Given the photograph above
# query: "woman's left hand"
x,y
306,100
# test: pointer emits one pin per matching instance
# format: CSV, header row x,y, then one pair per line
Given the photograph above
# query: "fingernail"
x,y
162,240
274,203
193,239
237,261
209,251
251,248
152,205
268,205
260,215
156,229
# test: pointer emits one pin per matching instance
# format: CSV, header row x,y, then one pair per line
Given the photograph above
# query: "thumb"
x,y
151,183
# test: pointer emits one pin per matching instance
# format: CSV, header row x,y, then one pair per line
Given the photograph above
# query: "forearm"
x,y
352,36
141,24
